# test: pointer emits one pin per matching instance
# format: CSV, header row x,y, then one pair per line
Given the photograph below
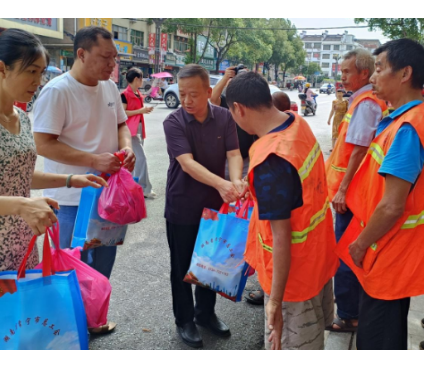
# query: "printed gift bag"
x,y
95,287
217,262
41,309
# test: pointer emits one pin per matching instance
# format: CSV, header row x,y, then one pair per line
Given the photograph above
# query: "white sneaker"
x,y
150,195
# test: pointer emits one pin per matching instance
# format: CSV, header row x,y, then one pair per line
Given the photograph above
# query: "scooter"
x,y
307,106
153,95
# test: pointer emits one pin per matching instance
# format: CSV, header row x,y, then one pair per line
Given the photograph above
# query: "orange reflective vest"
x,y
313,261
393,267
336,164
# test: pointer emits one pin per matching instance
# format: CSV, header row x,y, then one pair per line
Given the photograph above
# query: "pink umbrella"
x,y
162,75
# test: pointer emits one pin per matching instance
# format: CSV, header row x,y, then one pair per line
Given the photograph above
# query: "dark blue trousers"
x,y
346,286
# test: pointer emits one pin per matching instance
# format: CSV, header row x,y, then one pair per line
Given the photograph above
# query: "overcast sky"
x,y
338,22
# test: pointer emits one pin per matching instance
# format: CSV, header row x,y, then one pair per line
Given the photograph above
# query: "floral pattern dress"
x,y
340,109
17,163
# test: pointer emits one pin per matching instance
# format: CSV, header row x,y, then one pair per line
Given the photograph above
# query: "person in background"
x,y
79,123
310,95
338,109
163,85
291,239
281,101
133,104
218,98
23,61
200,138
356,133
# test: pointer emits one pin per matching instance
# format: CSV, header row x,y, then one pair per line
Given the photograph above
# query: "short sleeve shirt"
x,y
209,143
85,118
364,121
277,185
405,158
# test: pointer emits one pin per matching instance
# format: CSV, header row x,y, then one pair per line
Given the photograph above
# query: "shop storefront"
x,y
171,64
48,27
141,59
66,60
125,53
208,64
207,52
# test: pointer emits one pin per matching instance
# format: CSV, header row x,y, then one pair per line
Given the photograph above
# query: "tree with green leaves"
x,y
287,49
396,28
252,46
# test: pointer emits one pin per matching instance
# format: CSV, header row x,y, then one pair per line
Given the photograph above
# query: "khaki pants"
x,y
305,322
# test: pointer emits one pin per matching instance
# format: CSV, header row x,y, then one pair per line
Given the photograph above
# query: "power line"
x,y
259,28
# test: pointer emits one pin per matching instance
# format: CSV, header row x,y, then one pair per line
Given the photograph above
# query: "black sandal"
x,y
344,324
255,297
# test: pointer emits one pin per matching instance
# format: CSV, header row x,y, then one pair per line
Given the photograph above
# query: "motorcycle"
x,y
307,107
153,95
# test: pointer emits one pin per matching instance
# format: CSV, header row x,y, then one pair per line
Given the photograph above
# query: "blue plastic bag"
x,y
217,262
41,310
90,229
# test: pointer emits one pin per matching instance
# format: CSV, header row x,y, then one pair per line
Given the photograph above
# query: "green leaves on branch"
x,y
283,49
396,28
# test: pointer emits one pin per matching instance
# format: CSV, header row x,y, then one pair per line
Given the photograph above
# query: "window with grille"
x,y
317,45
325,65
180,44
120,33
308,45
336,47
137,38
326,56
327,47
349,47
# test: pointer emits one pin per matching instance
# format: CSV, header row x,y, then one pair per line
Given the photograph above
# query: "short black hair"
x,y
88,37
19,45
194,70
132,74
250,90
403,53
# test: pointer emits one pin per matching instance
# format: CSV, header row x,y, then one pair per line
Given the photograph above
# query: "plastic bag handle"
x,y
225,208
121,156
47,257
244,211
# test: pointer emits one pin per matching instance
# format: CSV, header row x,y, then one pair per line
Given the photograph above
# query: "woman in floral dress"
x,y
23,61
339,109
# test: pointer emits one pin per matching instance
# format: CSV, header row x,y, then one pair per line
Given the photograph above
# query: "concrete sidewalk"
x,y
347,341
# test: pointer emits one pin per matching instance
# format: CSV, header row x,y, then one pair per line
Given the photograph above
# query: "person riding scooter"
x,y
310,96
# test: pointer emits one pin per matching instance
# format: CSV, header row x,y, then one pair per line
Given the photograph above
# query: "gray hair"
x,y
364,60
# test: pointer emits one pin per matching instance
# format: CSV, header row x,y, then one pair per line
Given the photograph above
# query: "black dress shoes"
x,y
215,325
190,335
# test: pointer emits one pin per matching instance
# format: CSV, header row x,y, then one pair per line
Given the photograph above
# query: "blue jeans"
x,y
101,258
346,285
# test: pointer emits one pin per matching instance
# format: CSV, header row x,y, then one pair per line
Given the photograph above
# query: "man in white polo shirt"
x,y
79,123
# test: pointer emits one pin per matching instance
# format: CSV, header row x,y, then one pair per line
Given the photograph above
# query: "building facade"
x,y
327,49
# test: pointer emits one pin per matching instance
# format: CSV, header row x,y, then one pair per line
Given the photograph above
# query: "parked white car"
x,y
172,97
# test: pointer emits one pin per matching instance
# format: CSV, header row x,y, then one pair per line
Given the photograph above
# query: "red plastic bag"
x,y
123,201
95,287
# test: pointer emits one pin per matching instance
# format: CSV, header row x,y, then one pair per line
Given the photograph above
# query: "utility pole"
x,y
158,23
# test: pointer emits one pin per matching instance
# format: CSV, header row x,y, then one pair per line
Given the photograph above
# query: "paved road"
x,y
141,297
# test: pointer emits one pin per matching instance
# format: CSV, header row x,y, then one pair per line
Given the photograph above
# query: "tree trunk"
x,y
284,76
276,72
